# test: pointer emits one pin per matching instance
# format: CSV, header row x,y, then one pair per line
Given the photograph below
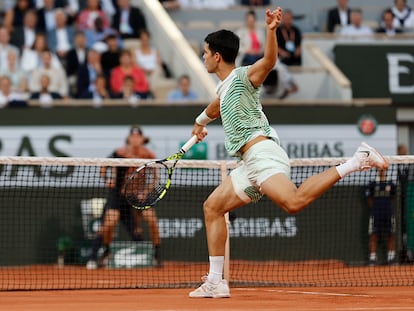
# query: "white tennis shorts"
x,y
262,160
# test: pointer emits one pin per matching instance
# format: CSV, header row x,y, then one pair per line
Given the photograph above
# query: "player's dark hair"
x,y
224,42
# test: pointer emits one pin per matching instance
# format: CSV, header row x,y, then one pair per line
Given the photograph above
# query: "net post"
x,y
226,269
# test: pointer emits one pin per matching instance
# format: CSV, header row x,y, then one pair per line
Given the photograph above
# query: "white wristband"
x,y
203,119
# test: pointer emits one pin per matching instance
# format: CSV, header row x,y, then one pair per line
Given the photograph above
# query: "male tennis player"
x,y
265,167
117,208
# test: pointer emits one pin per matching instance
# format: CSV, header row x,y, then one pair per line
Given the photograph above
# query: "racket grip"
x,y
189,144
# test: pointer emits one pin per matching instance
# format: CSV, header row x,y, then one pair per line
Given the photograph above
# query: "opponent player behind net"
x,y
264,169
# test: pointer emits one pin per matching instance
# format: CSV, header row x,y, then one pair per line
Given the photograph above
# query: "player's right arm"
x,y
209,114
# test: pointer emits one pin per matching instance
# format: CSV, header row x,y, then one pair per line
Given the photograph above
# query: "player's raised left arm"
x,y
259,70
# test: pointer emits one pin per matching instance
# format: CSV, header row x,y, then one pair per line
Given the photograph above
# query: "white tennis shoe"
x,y
210,290
91,265
368,157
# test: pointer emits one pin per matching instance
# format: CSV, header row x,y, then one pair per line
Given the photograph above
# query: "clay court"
x,y
266,298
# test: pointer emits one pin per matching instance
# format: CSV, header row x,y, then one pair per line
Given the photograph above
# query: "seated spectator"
x,y
251,3
289,39
8,97
279,83
75,58
252,40
31,57
128,92
338,16
87,16
15,15
56,74
403,14
24,36
128,20
98,92
110,58
387,25
5,47
45,95
147,57
12,70
46,16
128,67
96,35
88,72
356,28
60,39
184,91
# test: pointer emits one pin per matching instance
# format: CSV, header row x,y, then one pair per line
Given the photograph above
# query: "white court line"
x,y
303,292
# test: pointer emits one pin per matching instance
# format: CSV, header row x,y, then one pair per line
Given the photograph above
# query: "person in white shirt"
x,y
356,28
5,47
403,14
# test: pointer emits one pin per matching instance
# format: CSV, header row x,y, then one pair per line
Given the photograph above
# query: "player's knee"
x,y
294,205
210,210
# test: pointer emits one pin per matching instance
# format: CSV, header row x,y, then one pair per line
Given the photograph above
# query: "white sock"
x,y
216,269
348,167
373,256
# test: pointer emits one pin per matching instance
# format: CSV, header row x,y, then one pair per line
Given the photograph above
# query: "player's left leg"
x,y
222,200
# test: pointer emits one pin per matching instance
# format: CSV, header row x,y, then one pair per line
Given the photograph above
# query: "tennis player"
x,y
264,169
117,208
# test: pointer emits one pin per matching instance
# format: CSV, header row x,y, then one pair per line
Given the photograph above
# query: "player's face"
x,y
210,61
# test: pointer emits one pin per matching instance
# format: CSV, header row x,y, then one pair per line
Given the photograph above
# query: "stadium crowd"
x,y
78,49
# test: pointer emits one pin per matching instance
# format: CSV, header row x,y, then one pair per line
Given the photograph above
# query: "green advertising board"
x,y
378,70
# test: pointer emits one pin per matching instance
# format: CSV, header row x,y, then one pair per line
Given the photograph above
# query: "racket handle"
x,y
189,144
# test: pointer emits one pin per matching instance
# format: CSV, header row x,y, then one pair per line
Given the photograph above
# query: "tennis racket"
x,y
149,183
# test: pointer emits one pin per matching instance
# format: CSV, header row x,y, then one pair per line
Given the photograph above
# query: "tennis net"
x,y
51,210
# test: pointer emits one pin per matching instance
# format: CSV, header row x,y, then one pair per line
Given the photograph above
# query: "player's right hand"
x,y
200,131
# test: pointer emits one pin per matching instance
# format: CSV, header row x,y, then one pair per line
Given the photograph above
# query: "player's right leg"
x,y
282,191
222,200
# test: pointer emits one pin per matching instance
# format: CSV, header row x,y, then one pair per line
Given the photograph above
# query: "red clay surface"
x,y
281,299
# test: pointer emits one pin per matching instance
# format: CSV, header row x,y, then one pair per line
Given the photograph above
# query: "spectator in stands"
x,y
95,37
380,195
339,16
45,95
403,14
252,39
128,20
14,17
289,38
279,83
76,56
117,208
127,67
56,74
128,92
88,73
31,57
206,4
13,71
60,39
147,57
387,25
5,47
24,36
87,16
99,92
46,16
8,97
183,93
356,28
110,58
251,3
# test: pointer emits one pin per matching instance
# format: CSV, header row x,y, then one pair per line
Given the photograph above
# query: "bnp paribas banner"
x,y
378,70
300,141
